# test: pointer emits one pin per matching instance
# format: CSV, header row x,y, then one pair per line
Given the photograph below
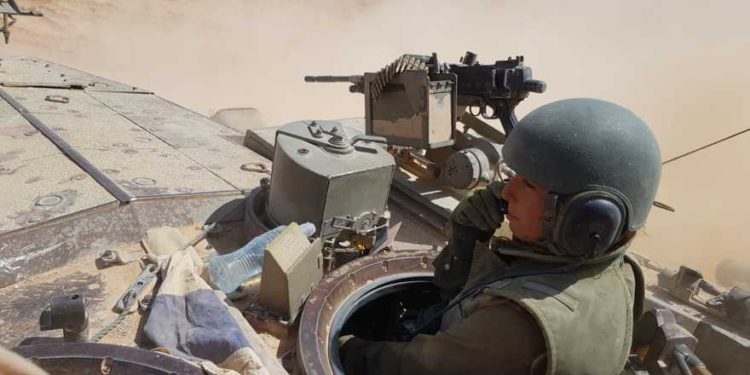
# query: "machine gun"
x,y
415,101
489,91
9,9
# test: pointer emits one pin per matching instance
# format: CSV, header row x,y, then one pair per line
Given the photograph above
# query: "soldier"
x,y
560,297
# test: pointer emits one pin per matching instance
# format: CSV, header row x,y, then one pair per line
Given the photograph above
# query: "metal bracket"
x,y
337,140
114,257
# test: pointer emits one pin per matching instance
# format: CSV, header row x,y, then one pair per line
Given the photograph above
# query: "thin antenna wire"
x,y
706,146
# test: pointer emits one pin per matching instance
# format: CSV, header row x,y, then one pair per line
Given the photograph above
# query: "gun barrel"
x,y
350,79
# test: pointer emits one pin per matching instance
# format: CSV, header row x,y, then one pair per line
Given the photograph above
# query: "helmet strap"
x,y
549,219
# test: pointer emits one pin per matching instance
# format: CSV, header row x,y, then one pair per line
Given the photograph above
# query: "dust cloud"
x,y
681,65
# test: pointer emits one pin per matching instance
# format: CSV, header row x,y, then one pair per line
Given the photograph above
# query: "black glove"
x,y
483,209
475,219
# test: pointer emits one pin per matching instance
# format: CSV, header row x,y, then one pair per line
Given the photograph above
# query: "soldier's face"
x,y
525,208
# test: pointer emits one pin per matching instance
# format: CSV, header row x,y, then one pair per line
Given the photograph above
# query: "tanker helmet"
x,y
601,164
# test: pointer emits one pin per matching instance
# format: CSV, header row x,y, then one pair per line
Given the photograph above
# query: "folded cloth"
x,y
191,320
162,242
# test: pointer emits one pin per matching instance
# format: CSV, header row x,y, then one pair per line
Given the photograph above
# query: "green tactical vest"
x,y
586,315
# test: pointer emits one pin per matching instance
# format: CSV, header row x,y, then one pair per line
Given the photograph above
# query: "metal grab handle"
x,y
368,138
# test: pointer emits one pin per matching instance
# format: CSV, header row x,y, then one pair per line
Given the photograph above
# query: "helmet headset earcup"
x,y
585,224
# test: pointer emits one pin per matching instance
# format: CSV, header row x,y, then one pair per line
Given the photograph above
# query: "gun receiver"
x,y
494,91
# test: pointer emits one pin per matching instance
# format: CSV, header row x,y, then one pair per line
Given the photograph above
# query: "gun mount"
x,y
415,101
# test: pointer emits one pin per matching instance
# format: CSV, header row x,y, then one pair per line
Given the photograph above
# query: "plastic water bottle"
x,y
230,270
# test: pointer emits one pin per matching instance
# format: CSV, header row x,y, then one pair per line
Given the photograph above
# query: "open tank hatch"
x,y
386,290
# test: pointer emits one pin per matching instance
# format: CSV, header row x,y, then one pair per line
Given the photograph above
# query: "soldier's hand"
x,y
483,209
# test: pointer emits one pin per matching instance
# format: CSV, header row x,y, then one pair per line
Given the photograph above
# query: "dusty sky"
x,y
680,64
